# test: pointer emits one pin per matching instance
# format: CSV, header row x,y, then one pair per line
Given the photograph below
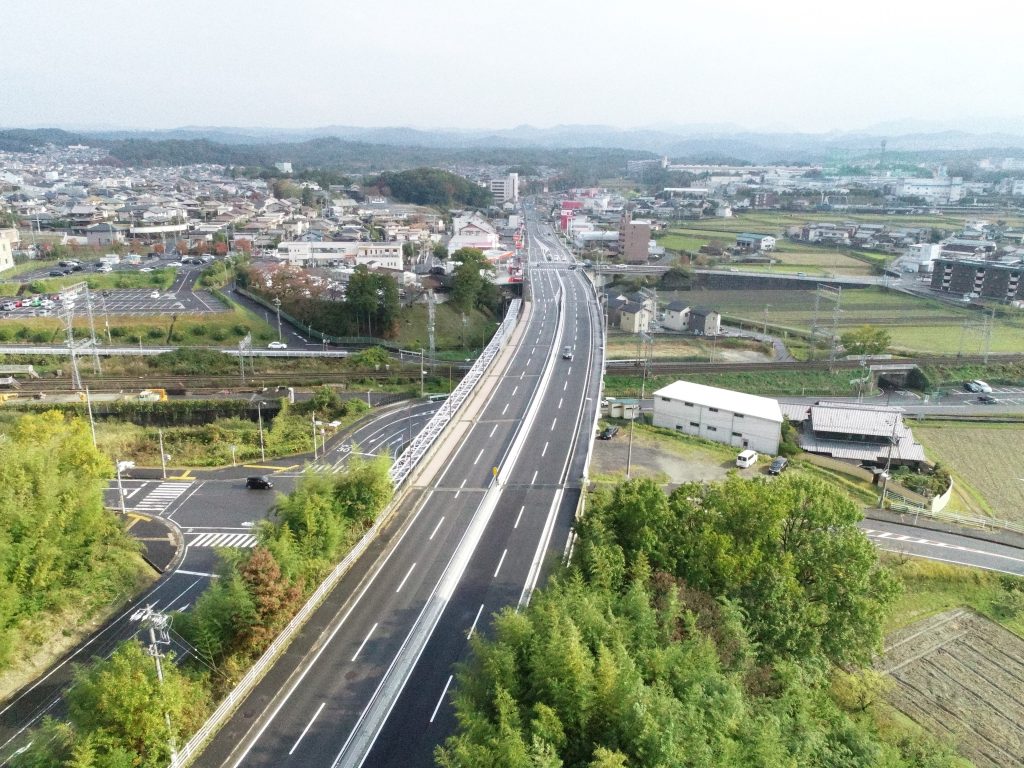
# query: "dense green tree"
x,y
432,186
866,340
470,289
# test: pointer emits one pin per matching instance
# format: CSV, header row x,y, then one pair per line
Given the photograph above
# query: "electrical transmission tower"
x,y
830,331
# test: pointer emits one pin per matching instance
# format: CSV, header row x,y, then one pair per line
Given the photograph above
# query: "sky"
x,y
784,65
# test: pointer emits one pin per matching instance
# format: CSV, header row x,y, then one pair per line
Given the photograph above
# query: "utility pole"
x,y
313,419
157,623
422,373
120,488
888,461
277,304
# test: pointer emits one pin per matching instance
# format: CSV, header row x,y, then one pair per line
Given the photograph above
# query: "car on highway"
x,y
8,306
104,268
567,353
608,432
778,465
258,483
977,385
146,269
154,295
56,273
987,400
277,345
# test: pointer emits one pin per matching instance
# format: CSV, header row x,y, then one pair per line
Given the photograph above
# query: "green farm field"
x,y
917,325
985,462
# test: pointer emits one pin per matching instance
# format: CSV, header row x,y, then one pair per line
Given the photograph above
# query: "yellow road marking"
x,y
267,466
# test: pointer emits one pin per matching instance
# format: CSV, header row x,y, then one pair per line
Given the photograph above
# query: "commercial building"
x,y
721,415
314,254
943,190
634,240
990,279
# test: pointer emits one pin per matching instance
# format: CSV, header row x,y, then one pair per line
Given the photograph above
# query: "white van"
x,y
747,458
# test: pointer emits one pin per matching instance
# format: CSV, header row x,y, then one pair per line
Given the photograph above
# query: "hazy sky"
x,y
812,66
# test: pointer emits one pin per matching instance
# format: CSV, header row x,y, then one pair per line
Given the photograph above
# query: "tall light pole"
x,y
277,304
120,489
163,456
259,417
422,373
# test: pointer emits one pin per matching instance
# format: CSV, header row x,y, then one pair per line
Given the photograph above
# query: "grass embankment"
x,y
214,329
450,333
930,587
158,278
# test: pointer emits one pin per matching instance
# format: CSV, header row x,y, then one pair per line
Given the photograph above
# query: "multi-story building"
x,y
505,190
990,279
634,240
748,241
8,237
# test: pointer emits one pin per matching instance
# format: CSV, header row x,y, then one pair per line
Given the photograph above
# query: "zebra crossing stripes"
x,y
161,497
240,540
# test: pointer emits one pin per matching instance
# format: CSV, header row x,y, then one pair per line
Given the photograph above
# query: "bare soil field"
x,y
960,675
985,458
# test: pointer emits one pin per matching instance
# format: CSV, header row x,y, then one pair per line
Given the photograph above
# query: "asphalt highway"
x,y
316,711
208,510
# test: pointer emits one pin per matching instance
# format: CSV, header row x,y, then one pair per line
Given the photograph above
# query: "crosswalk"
x,y
161,497
237,540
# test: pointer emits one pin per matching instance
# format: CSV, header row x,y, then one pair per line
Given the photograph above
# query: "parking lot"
x,y
132,302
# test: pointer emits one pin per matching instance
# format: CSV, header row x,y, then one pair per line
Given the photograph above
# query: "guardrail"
x,y
425,439
898,503
399,472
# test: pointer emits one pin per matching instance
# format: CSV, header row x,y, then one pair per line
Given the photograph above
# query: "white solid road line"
x,y
407,575
304,730
431,536
901,538
445,691
473,628
519,516
502,560
365,641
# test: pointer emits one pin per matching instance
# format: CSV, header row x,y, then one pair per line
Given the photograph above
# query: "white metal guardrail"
x,y
127,351
899,503
407,461
428,435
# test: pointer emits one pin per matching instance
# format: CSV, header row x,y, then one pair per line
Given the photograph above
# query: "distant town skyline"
x,y
792,66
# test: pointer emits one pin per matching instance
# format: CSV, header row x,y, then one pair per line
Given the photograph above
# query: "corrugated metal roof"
x,y
723,399
854,419
905,450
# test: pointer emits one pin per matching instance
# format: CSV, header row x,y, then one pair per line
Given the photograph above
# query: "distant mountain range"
x,y
696,142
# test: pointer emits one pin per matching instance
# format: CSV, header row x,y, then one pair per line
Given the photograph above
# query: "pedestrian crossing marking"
x,y
161,497
240,540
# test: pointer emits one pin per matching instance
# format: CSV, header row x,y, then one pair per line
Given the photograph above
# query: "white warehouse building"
x,y
721,415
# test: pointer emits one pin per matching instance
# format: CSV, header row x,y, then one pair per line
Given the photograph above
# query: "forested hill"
x,y
431,186
584,165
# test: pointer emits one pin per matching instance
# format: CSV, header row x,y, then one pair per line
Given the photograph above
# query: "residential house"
x,y
749,241
677,316
705,322
634,318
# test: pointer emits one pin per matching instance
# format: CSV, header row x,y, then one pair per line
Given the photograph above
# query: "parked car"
x,y
258,483
608,433
56,273
154,295
778,465
104,268
977,385
747,458
8,306
146,269
277,345
567,353
987,399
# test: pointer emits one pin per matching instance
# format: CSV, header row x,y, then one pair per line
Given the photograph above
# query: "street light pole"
x,y
92,424
163,456
277,304
120,489
259,416
422,373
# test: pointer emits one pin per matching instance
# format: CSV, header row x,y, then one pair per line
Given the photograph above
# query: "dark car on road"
x,y
56,273
987,399
259,483
778,465
608,433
